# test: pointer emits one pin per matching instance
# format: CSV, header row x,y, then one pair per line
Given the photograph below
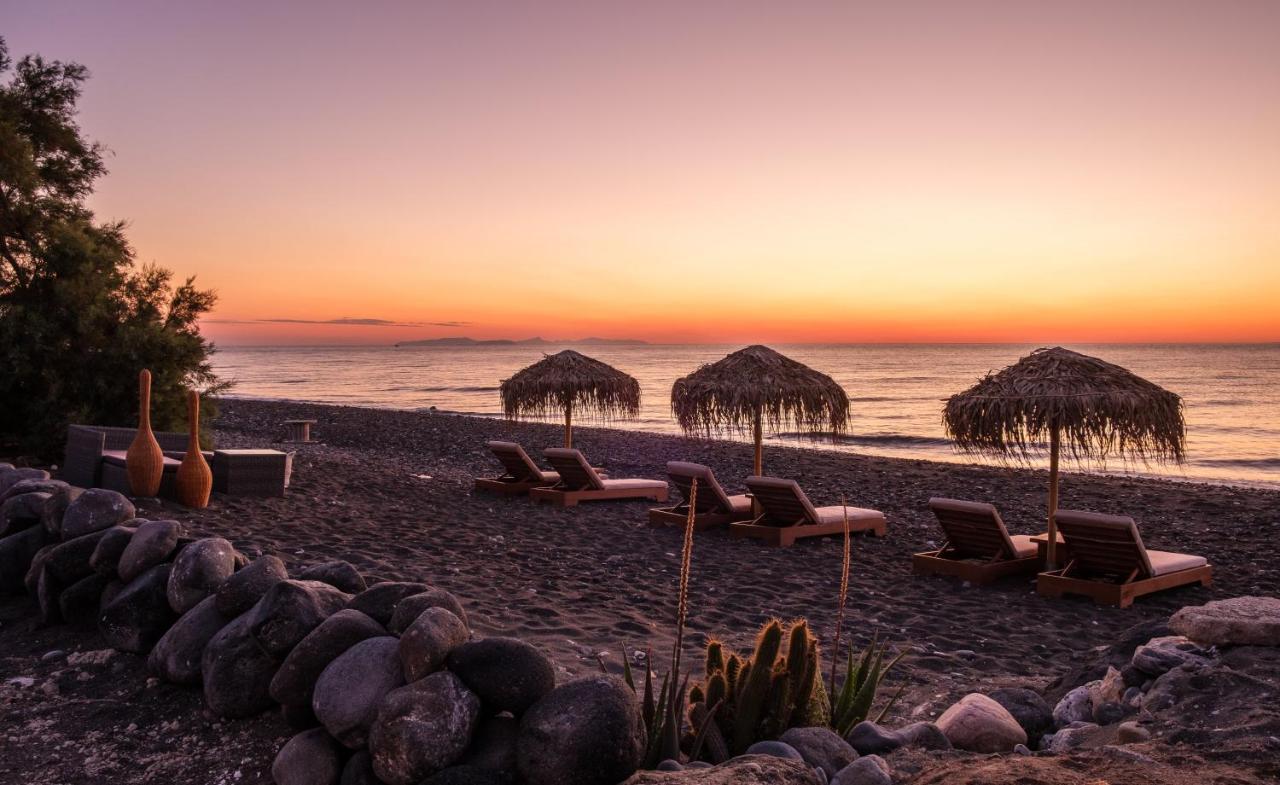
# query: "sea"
x,y
1231,392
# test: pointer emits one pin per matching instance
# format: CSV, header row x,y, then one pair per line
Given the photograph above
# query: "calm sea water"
x,y
1232,393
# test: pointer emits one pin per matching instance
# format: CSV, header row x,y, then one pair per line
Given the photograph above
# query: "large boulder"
x,y
242,590
17,551
1028,708
426,645
1239,621
198,570
869,738
871,770
80,602
69,561
464,775
151,544
979,724
493,747
1162,654
350,688
408,609
176,657
48,588
294,683
821,748
10,477
379,601
1075,706
105,559
423,728
32,486
309,758
56,506
359,770
21,511
506,673
236,671
338,574
588,732
94,510
140,614
291,609
742,770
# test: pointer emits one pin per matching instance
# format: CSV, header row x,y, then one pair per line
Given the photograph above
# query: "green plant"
x,y
863,677
748,699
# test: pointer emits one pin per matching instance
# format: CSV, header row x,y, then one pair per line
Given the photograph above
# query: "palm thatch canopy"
x,y
567,382
1099,409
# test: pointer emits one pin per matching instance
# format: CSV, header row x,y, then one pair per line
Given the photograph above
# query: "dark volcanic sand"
x,y
391,492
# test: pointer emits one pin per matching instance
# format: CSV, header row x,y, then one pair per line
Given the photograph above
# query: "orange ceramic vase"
x,y
144,462
194,480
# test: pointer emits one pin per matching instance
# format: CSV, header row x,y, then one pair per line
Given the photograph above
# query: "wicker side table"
x,y
251,472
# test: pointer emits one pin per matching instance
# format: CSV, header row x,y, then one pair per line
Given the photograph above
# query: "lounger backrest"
x,y
973,529
711,497
575,473
1104,544
782,502
515,460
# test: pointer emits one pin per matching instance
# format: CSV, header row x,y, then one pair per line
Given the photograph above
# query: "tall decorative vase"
x,y
144,462
194,480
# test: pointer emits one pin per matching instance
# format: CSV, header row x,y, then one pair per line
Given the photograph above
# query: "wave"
x,y
459,389
1241,463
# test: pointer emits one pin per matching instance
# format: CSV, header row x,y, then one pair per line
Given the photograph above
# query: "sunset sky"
x,y
676,171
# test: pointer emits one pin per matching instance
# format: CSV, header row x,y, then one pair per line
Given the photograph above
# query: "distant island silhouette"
x,y
524,342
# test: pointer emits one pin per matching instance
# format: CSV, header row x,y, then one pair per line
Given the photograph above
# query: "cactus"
x,y
744,700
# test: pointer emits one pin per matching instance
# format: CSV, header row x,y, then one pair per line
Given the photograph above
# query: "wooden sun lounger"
x,y
1108,562
579,482
714,506
978,548
521,476
786,515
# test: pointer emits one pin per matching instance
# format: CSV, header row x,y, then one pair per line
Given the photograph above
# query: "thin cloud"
x,y
345,321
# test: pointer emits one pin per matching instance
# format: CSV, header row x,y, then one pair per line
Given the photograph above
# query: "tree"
x,y
78,317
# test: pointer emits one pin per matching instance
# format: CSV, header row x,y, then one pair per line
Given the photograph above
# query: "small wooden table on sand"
x,y
299,430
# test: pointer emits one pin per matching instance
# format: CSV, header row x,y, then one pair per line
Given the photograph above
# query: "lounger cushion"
x,y
857,515
634,485
740,504
1023,547
1164,562
117,458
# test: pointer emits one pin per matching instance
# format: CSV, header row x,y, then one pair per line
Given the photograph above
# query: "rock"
x,y
1161,655
423,728
777,749
105,559
80,602
1078,735
299,716
310,758
379,601
1028,708
140,614
150,545
11,477
236,671
493,747
56,506
1075,706
17,551
94,510
350,688
506,673
21,511
198,570
339,574
1132,733
69,562
359,770
464,775
979,724
112,591
47,590
869,738
742,770
588,732
295,681
291,609
242,590
1022,749
1239,621
925,736
408,609
1108,690
177,656
427,643
35,569
869,770
821,748
1109,713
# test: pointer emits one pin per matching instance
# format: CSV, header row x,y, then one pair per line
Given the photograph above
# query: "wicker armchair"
x,y
89,445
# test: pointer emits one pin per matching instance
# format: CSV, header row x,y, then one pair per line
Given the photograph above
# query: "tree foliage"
x,y
78,317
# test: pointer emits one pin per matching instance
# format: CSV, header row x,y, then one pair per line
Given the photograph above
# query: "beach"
x,y
390,491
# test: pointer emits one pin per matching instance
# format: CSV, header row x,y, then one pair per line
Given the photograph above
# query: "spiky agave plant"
x,y
863,677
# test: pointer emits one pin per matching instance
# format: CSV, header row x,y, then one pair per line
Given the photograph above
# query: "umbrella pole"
x,y
568,425
1051,562
758,466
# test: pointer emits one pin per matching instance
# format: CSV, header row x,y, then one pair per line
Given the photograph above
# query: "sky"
x,y
714,171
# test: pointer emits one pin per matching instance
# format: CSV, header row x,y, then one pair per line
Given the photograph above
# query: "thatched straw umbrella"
x,y
756,386
567,381
1095,409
